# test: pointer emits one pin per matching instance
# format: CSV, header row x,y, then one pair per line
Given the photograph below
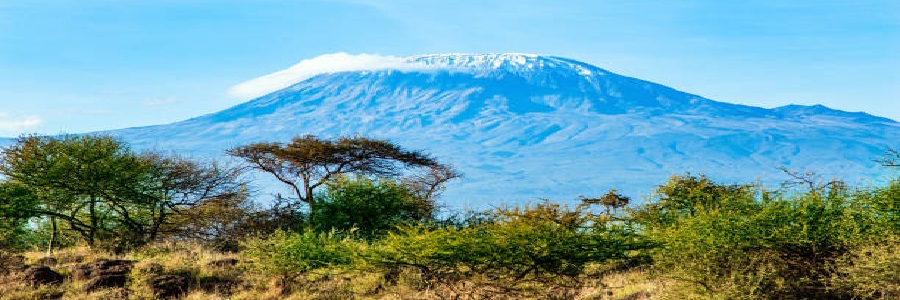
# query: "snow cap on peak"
x,y
495,61
343,62
475,60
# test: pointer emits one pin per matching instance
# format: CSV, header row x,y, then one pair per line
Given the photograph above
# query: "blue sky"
x,y
78,66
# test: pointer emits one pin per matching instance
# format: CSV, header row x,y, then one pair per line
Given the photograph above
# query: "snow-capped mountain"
x,y
523,127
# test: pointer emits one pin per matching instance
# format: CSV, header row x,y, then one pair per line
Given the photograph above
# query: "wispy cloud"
x,y
160,102
17,124
323,64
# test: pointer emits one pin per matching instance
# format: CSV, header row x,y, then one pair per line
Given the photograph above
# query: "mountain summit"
x,y
523,127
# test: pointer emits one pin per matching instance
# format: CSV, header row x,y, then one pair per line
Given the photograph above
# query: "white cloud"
x,y
11,123
323,64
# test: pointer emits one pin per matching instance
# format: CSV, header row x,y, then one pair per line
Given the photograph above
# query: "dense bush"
x,y
871,271
294,253
545,243
370,207
880,207
748,243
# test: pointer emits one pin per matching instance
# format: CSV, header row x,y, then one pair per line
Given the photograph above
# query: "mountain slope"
x,y
523,127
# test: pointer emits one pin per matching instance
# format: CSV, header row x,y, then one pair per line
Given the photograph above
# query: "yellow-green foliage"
x,y
525,249
745,243
872,271
291,253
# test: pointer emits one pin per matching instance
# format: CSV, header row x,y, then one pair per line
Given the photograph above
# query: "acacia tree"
x,y
102,190
612,201
308,162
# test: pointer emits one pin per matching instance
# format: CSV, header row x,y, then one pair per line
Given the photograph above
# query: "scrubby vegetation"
x,y
113,223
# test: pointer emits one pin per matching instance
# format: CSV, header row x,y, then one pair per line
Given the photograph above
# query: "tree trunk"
x,y
157,222
309,198
307,188
92,209
52,236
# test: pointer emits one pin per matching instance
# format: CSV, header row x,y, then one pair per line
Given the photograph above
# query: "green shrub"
x,y
686,196
544,244
293,253
743,243
370,207
880,207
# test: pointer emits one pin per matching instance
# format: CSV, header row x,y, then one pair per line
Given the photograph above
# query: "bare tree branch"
x,y
809,180
891,158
